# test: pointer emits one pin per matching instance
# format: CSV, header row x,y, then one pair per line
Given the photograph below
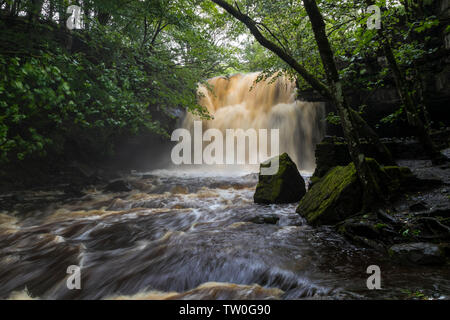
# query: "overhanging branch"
x,y
253,28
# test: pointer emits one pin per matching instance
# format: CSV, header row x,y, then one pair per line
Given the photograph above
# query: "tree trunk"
x,y
62,13
371,190
103,17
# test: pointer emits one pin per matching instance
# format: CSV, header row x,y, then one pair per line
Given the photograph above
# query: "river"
x,y
189,235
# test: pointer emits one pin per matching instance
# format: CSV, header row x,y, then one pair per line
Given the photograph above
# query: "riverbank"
x,y
410,225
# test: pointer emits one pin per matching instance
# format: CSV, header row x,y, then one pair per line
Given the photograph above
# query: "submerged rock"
x,y
286,186
265,219
418,253
338,195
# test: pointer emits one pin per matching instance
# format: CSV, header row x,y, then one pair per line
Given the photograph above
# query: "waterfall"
x,y
240,102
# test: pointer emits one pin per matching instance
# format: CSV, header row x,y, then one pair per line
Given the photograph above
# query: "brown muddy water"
x,y
189,235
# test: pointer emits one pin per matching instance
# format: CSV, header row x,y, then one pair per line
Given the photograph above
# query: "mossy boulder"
x,y
338,195
333,198
286,186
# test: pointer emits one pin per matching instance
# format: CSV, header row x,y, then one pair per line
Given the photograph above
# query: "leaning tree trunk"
x,y
348,119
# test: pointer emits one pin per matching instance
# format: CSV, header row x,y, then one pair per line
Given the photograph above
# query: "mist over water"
x,y
242,102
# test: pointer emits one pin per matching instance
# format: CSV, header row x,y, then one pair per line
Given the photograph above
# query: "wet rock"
x,y
445,248
286,186
363,229
265,219
337,196
418,253
94,180
331,152
394,179
428,229
369,231
118,186
332,199
141,185
251,176
386,217
18,197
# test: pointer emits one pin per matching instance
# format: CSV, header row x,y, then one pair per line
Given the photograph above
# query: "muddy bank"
x,y
412,224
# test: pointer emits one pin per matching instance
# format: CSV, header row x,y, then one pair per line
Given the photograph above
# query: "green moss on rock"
x,y
334,198
338,195
286,186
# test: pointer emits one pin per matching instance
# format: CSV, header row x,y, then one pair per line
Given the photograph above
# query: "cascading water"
x,y
242,102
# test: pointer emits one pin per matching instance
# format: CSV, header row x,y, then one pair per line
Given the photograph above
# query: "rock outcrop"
x,y
418,253
286,186
333,198
333,151
338,195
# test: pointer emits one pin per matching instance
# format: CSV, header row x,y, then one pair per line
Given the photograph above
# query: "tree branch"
x,y
252,26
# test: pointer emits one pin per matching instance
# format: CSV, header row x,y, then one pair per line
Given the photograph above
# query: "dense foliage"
x,y
135,65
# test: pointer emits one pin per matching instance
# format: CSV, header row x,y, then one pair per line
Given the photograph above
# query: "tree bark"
x,y
371,190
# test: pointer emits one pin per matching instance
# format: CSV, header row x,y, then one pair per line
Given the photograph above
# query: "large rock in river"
x,y
286,186
333,198
338,195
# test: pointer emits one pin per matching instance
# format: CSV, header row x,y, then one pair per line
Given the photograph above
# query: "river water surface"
x,y
190,235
